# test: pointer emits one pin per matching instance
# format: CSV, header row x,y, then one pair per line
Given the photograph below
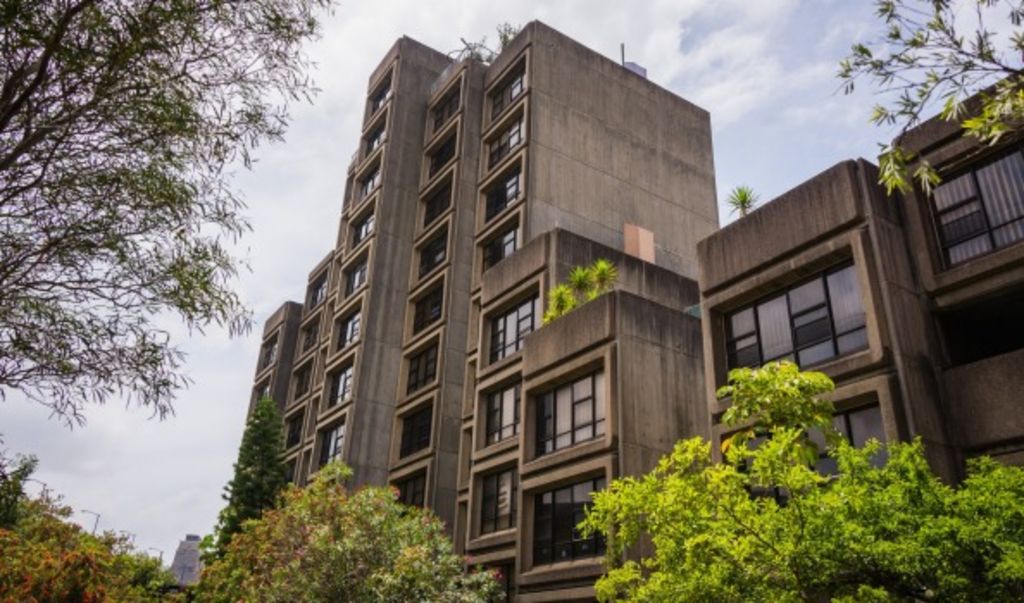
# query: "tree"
x,y
742,200
13,474
260,472
46,558
879,530
119,123
935,54
327,544
585,283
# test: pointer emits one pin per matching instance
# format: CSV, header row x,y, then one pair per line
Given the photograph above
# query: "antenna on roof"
x,y
635,68
622,50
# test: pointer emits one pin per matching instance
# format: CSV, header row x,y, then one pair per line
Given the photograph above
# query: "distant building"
x,y
186,565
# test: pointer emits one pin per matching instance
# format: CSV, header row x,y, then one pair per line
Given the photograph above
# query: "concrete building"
x,y
187,565
475,188
910,303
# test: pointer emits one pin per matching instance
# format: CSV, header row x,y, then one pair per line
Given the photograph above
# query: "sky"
x,y
764,69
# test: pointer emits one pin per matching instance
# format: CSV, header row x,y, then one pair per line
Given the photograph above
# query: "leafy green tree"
x,y
260,472
933,56
742,200
120,122
327,544
585,283
13,474
875,532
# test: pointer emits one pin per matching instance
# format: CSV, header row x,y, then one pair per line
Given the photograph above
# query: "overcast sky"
x,y
764,69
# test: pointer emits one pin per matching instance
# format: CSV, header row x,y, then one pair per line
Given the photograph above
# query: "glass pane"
x,y
741,323
773,317
844,295
563,413
1004,235
815,354
811,327
853,341
969,249
806,296
583,413
962,223
599,397
866,424
1002,189
581,389
583,434
954,191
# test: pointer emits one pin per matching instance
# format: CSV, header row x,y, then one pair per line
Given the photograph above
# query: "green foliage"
x,y
13,473
327,544
585,283
120,123
932,57
742,200
506,33
889,533
260,473
46,558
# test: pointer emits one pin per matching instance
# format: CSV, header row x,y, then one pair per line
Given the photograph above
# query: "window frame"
x,y
525,311
491,519
332,444
495,428
509,91
381,95
356,277
417,429
556,522
732,340
317,292
500,241
413,487
442,155
347,334
422,368
370,182
303,380
362,229
433,253
342,381
293,434
424,315
447,107
432,207
502,146
546,403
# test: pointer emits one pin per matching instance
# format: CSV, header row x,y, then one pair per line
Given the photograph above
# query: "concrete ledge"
x,y
984,400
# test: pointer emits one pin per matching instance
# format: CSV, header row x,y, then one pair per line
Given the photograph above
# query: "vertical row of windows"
x,y
422,369
556,515
981,210
428,309
433,253
509,330
502,414
332,443
570,414
500,247
498,501
411,491
341,386
416,431
502,193
505,143
810,323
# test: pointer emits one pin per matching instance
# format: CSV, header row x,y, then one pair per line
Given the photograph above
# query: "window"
x,y
316,292
500,247
294,431
348,330
812,322
370,183
268,354
303,378
510,329
341,386
381,95
503,145
503,574
857,427
502,414
436,203
416,431
498,501
433,253
422,369
412,491
332,443
509,92
502,194
440,157
289,471
981,210
988,327
428,309
362,229
571,414
446,109
556,514
375,139
310,335
263,392
355,278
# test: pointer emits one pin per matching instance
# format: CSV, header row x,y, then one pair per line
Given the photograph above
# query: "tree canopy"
x,y
875,531
119,124
327,544
932,57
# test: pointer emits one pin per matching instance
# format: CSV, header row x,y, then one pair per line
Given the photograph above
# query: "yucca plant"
x,y
561,300
603,275
742,199
584,284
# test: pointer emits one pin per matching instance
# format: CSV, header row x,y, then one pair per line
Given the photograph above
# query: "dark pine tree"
x,y
260,472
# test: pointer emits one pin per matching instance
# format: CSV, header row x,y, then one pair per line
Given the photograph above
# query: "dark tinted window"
x,y
556,515
416,431
500,247
510,329
502,193
433,253
422,369
570,414
498,501
502,414
428,310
